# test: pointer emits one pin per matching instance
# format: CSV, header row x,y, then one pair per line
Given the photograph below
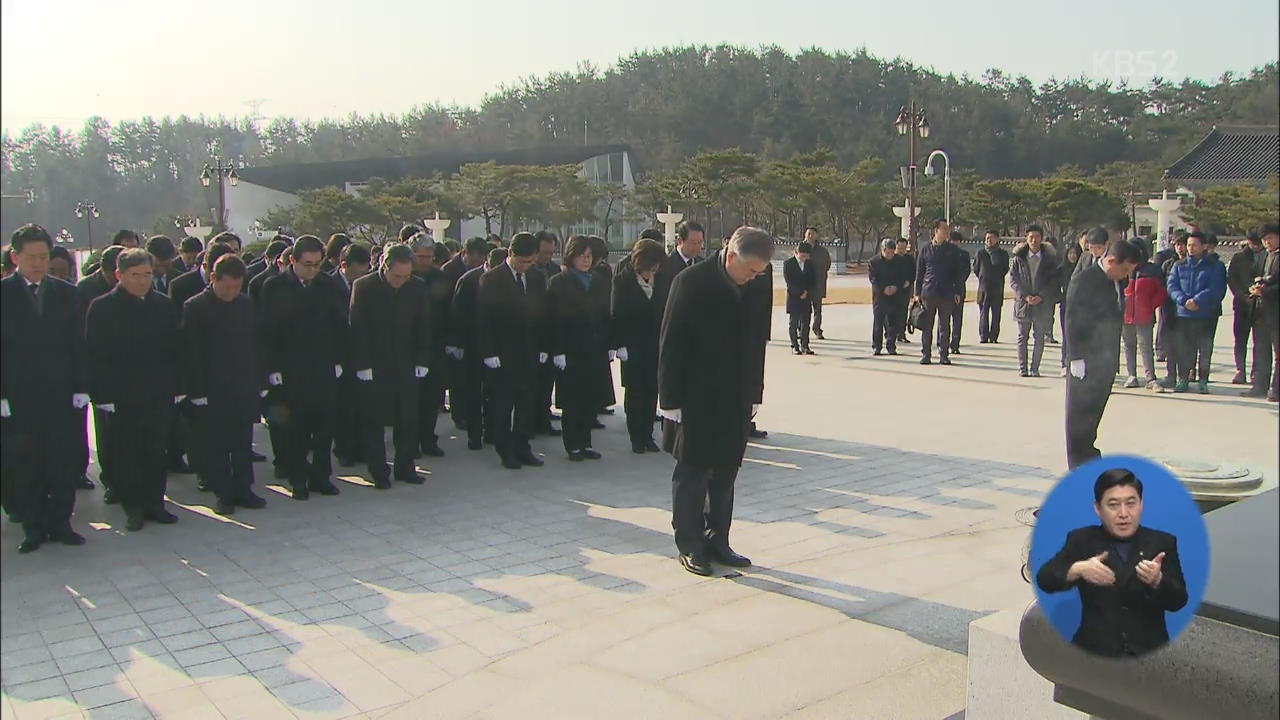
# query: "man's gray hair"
x,y
888,244
423,241
131,258
752,242
396,253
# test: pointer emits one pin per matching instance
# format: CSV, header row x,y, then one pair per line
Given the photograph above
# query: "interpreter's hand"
x,y
419,371
493,363
891,290
337,370
275,379
622,354
200,401
672,415
4,409
542,358
1151,571
365,375
558,361
1191,305
80,400
1077,369
1095,571
106,407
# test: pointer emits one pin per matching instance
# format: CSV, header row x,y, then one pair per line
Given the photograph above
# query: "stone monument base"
x,y
1002,686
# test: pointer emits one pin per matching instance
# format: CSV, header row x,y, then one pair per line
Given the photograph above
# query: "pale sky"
x,y
61,62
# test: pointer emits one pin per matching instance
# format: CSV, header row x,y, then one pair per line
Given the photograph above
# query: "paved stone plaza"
x,y
880,512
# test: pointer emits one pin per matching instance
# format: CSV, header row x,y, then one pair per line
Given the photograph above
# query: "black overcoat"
x,y
132,346
303,332
636,320
578,328
511,325
41,354
390,334
221,358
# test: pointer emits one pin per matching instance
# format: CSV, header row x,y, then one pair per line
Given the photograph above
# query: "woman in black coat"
x,y
1065,271
637,317
605,272
578,312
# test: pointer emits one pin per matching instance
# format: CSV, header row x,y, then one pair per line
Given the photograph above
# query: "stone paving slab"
x,y
880,512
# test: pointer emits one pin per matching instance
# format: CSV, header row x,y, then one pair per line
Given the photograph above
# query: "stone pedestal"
x,y
1213,484
1002,686
670,220
1164,207
198,230
437,227
905,228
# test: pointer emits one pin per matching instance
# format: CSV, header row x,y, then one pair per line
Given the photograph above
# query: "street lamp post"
x,y
946,179
88,210
64,237
225,171
910,122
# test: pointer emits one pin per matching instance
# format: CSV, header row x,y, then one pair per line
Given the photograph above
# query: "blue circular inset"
x,y
1166,506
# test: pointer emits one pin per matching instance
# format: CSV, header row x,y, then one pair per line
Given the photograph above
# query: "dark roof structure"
x,y
1230,154
300,176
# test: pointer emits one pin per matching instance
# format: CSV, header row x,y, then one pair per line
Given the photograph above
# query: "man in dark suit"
x,y
689,239
957,313
798,273
991,265
189,284
1035,290
1246,265
511,338
347,443
439,294
548,243
472,256
1095,314
132,342
821,259
1128,576
42,390
279,265
162,266
188,248
333,252
890,286
905,256
937,271
471,394
90,288
125,238
390,354
304,343
224,382
710,321
1266,288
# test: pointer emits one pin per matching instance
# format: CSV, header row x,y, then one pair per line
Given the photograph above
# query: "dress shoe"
x,y
723,554
1238,378
605,411
893,351
532,461
251,501
1035,373
695,563
955,351
411,479
225,507
877,352
433,450
67,537
109,497
1023,373
597,425
637,448
256,456
280,472
1051,340
84,483
1272,397
651,446
796,351
576,455
323,487
180,467
1181,387
757,433
925,361
160,515
590,454
30,544
382,483
807,351
511,464
202,485
299,492
1203,387
944,361
475,444
818,334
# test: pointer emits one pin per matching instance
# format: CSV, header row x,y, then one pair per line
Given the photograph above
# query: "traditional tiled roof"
x,y
292,178
1230,154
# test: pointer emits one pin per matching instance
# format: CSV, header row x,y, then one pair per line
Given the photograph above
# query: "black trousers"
x,y
40,469
102,438
1195,347
1241,329
1086,401
82,441
546,387
817,315
989,311
346,429
431,395
575,426
884,323
937,310
957,323
176,445
466,397
1263,344
641,405
308,428
404,435
227,463
276,432
514,397
904,306
798,329
140,457
701,505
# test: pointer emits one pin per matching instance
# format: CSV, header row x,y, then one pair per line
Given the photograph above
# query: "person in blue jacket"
x,y
1197,285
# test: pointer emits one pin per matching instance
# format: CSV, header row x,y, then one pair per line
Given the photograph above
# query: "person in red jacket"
x,y
1142,295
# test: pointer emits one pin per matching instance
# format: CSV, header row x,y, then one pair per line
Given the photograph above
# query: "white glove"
x,y
80,400
493,363
1077,369
754,409
613,355
365,375
672,415
542,358
622,354
4,408
453,351
200,402
262,393
275,379
106,407
419,371
178,398
558,361
337,371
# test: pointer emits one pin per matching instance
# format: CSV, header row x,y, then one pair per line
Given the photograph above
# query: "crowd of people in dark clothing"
x,y
178,350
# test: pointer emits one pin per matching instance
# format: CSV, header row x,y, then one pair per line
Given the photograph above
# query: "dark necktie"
x,y
524,290
35,294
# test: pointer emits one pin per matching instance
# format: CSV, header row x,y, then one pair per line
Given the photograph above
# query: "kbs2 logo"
x,y
1130,64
